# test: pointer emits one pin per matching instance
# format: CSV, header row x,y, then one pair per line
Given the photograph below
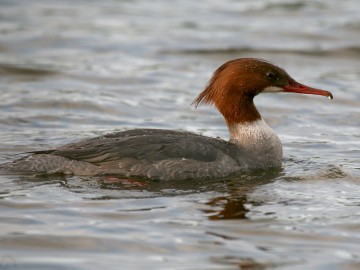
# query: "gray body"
x,y
147,153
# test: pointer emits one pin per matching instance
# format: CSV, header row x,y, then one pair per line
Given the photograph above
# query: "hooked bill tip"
x,y
303,89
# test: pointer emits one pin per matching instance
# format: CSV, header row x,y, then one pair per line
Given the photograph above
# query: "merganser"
x,y
175,155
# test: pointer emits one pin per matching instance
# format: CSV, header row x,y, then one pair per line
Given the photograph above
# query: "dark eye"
x,y
271,75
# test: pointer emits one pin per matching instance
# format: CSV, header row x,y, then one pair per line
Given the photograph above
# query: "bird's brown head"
x,y
234,85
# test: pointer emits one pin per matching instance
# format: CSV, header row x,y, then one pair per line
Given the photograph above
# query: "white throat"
x,y
259,142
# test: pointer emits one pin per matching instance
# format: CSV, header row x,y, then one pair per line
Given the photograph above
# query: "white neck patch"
x,y
259,142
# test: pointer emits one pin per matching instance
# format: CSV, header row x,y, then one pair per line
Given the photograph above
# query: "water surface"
x,y
78,69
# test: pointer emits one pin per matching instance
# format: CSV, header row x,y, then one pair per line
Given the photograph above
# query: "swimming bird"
x,y
176,155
